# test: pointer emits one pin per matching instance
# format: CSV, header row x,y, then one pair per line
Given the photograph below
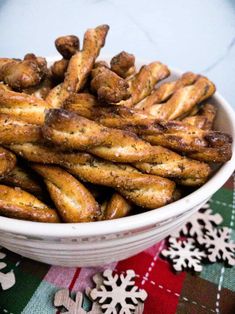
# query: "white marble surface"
x,y
196,35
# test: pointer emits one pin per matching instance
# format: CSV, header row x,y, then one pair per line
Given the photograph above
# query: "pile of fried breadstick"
x,y
85,140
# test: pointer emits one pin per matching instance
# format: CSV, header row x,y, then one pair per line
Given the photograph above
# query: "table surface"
x,y
186,34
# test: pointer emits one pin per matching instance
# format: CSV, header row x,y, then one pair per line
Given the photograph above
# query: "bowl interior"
x,y
224,122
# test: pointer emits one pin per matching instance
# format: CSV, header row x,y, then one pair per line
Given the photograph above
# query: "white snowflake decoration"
x,y
199,222
6,280
184,254
118,289
218,245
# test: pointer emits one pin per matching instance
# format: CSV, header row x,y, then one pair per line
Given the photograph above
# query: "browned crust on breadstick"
x,y
142,83
7,161
116,207
74,202
26,107
183,100
144,190
58,70
16,203
123,64
14,130
67,45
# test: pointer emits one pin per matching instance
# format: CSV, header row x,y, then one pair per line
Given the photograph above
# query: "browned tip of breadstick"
x,y
95,37
58,70
67,45
16,203
7,161
109,87
123,64
74,202
117,207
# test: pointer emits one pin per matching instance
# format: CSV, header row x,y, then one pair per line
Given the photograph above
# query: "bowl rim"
x,y
138,221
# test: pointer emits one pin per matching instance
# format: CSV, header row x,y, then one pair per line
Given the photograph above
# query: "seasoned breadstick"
x,y
219,154
116,207
22,74
74,202
165,90
16,203
15,130
81,64
67,45
183,100
142,83
204,119
71,131
26,107
42,90
110,87
144,190
24,179
7,162
123,64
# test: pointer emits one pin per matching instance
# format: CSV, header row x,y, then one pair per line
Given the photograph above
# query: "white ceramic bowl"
x,y
97,243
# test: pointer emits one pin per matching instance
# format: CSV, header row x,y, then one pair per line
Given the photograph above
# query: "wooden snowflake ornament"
x,y
114,293
184,254
218,245
203,219
7,280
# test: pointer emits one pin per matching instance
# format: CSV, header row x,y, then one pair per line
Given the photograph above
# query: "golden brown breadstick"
x,y
110,87
26,107
165,90
22,74
73,201
81,63
58,70
42,90
16,203
123,64
142,83
71,131
204,119
183,100
24,179
144,190
15,130
7,162
67,45
116,207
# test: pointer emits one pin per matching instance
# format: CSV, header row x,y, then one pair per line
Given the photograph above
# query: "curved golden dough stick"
x,y
81,63
143,82
71,131
116,207
73,201
165,90
14,130
26,107
16,203
123,64
7,162
183,100
144,190
25,180
204,118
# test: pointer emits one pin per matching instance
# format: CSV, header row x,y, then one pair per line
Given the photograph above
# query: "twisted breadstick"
x,y
183,100
74,202
81,63
26,107
165,90
16,203
7,162
204,118
15,130
144,190
71,131
142,83
116,207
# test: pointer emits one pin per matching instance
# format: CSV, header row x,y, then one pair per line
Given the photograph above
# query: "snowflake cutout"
x,y
184,254
118,290
199,222
6,280
218,245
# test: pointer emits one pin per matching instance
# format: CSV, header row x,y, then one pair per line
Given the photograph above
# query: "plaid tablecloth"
x,y
212,291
